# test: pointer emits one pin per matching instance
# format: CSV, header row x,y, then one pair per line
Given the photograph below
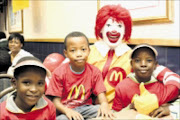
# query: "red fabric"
x,y
171,78
126,89
63,80
160,76
108,63
46,113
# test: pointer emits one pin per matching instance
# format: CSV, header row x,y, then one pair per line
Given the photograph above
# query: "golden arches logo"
x,y
77,91
116,74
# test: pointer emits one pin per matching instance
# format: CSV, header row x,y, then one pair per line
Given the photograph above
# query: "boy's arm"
x,y
166,76
71,114
169,93
104,109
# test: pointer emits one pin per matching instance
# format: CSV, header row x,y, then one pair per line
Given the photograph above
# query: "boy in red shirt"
x,y
143,62
73,83
27,102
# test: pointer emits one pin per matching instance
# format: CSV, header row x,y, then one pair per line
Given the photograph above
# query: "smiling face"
x,y
143,64
77,51
30,86
15,45
113,32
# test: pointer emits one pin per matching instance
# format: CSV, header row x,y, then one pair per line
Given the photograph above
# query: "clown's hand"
x,y
146,102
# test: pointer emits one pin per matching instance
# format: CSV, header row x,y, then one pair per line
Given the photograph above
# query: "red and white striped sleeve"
x,y
165,75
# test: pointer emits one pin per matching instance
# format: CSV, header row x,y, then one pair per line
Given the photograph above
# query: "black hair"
x,y
74,34
142,48
2,35
16,36
20,70
5,61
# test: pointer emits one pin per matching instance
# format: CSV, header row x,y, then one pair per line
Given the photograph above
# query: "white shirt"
x,y
22,53
103,48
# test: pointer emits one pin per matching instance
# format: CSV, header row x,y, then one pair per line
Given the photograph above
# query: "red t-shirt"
x,y
46,113
75,89
126,89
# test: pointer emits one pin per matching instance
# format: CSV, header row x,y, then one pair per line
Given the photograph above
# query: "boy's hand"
x,y
161,111
105,112
73,115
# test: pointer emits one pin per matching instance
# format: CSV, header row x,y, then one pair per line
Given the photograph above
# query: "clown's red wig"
x,y
117,13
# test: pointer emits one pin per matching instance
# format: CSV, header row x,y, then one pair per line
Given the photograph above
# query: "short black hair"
x,y
16,36
2,35
20,70
143,48
74,34
5,60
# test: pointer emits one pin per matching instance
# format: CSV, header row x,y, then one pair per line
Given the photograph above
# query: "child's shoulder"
x,y
62,67
49,102
127,81
92,67
3,108
2,104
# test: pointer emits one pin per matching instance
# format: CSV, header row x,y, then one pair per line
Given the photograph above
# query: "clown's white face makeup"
x,y
113,33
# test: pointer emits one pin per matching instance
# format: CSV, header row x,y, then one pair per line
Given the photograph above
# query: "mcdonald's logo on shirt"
x,y
115,75
77,90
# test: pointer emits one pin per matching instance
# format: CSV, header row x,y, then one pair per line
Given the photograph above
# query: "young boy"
x,y
73,83
27,101
143,62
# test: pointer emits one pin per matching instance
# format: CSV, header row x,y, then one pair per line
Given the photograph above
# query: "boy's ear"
x,y
21,45
65,53
156,63
89,51
131,66
14,83
131,63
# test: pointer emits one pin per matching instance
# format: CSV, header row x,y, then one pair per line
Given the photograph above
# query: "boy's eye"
x,y
72,50
137,60
26,82
149,60
41,83
108,25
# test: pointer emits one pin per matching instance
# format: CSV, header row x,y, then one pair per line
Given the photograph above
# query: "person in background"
x,y
16,43
28,102
3,42
143,62
73,83
2,35
5,63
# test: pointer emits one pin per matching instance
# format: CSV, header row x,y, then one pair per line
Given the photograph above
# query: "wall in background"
x,y
168,56
53,20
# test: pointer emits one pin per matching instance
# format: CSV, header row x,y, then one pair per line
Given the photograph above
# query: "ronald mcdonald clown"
x,y
111,53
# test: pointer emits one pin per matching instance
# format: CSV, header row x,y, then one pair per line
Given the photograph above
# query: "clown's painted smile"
x,y
113,36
